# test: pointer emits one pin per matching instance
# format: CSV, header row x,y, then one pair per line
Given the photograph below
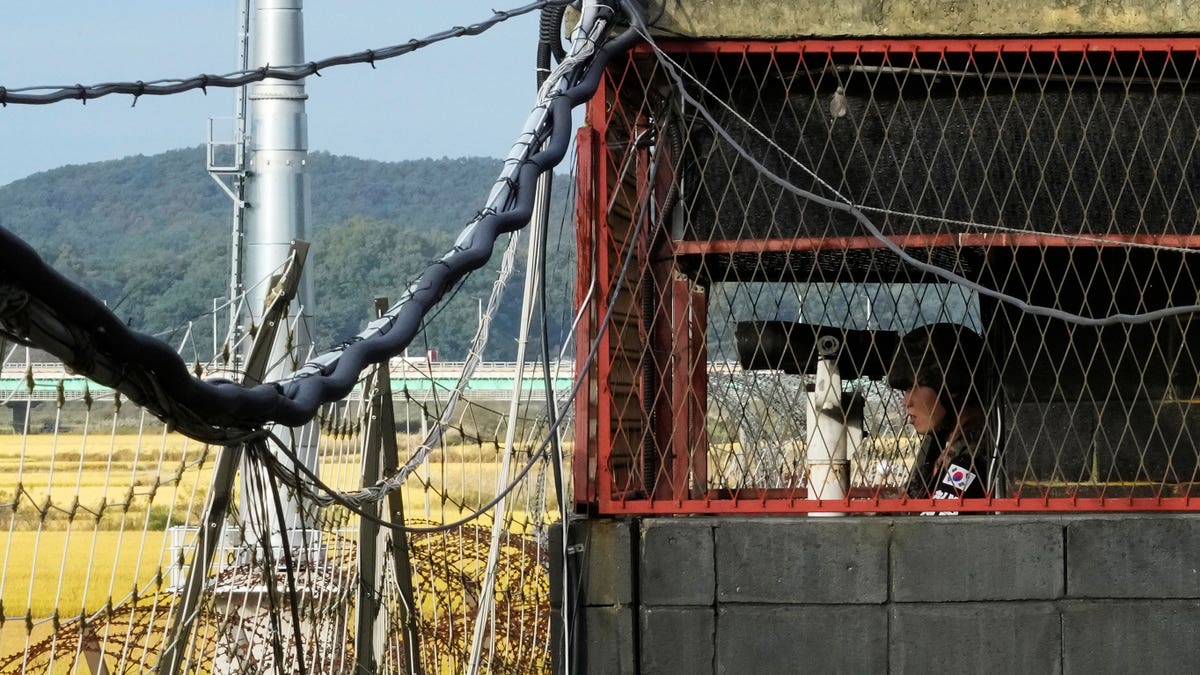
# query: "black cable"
x,y
332,378
264,537
549,43
273,464
593,350
552,404
288,566
547,381
550,39
216,409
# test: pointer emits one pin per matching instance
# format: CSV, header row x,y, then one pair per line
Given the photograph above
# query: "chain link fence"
x,y
741,200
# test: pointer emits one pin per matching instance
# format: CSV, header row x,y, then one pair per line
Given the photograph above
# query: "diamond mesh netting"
x,y
101,509
1021,193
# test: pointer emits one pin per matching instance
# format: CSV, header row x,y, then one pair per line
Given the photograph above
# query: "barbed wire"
x,y
48,94
94,342
306,483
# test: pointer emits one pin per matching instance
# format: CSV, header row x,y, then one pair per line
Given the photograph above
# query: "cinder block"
x,y
678,640
1131,636
947,559
610,647
815,560
801,639
603,557
1133,557
977,638
677,563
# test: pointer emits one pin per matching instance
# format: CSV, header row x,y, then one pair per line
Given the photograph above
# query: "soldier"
x,y
944,373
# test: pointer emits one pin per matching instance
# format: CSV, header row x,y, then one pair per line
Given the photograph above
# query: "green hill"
x,y
150,236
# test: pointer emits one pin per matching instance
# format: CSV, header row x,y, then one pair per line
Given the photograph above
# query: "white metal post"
x,y
828,475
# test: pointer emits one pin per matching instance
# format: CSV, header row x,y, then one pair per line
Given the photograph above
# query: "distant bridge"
x,y
421,381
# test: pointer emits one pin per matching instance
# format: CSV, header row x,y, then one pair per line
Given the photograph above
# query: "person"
x,y
943,371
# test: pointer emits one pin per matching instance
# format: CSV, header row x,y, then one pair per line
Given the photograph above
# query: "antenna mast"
x,y
227,158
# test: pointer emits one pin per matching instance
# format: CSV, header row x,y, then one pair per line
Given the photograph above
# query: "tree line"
x,y
150,236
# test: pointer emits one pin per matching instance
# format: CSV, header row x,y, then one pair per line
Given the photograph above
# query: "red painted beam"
x,y
998,240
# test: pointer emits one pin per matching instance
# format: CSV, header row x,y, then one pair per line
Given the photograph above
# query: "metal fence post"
x,y
380,445
211,530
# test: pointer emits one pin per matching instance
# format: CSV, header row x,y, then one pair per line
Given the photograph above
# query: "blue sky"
x,y
468,96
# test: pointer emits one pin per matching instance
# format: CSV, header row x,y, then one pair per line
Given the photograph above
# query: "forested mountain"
x,y
151,236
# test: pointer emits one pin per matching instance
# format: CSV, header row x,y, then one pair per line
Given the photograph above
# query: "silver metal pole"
x,y
277,197
277,187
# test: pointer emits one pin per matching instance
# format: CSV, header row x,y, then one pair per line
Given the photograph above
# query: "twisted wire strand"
x,y
47,94
216,410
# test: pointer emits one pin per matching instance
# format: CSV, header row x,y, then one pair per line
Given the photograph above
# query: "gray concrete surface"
x,y
980,594
678,640
1131,636
1143,556
801,639
971,559
978,638
790,561
677,562
773,19
609,640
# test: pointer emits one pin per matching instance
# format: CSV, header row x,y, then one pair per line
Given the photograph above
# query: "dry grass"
x,y
75,571
57,484
65,497
50,481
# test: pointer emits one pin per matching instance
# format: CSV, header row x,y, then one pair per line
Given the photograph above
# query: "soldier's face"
x,y
925,411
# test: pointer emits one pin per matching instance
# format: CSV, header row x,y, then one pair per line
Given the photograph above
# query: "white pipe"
x,y
826,453
532,281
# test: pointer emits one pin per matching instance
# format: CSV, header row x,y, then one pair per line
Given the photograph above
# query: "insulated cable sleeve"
x,y
302,395
294,401
550,31
108,338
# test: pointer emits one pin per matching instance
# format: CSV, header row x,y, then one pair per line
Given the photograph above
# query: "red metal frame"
x,y
779,506
586,455
998,240
685,414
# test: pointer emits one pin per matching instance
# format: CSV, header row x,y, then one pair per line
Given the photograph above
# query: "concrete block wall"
x,y
977,594
773,19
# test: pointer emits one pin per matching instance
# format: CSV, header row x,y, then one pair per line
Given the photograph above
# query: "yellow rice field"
x,y
63,549
70,571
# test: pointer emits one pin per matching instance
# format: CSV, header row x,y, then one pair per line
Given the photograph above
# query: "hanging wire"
x,y
43,94
99,346
306,483
847,206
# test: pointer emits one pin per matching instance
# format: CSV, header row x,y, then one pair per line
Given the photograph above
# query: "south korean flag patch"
x,y
958,478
